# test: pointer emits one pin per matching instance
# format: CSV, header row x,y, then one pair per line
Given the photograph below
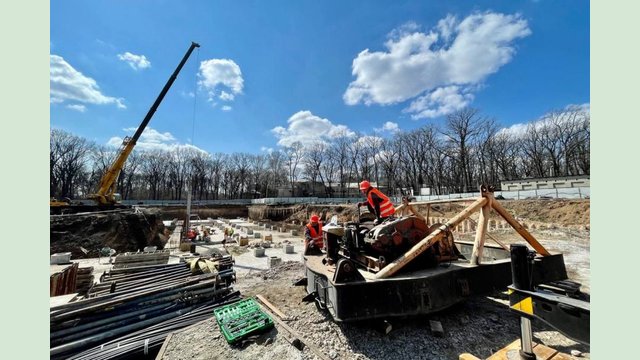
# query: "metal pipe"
x,y
134,343
82,343
187,285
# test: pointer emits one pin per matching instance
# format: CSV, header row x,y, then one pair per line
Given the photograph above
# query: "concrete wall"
x,y
546,183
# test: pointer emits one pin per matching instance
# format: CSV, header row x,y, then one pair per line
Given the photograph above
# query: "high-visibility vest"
x,y
316,236
386,206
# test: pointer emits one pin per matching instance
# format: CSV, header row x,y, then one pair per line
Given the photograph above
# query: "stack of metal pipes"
x,y
135,300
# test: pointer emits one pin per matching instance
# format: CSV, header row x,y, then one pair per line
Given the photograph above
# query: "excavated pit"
x,y
83,235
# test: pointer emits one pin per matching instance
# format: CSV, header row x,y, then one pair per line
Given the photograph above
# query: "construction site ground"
x,y
482,325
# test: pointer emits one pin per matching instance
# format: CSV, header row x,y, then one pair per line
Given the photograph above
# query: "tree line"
x,y
466,150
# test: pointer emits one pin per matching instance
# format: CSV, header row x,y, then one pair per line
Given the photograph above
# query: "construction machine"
x,y
106,197
404,267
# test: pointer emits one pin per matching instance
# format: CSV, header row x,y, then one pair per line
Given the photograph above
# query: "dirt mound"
x,y
561,212
122,231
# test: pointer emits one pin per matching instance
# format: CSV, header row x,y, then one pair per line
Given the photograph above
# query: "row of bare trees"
x,y
467,150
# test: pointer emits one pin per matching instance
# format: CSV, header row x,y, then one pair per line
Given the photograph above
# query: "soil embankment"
x,y
85,234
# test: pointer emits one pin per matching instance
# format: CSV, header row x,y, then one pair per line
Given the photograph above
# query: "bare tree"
x,y
153,170
294,155
313,159
68,155
462,128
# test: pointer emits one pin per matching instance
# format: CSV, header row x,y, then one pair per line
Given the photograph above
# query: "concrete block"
x,y
294,232
244,241
61,258
268,237
249,231
274,261
258,252
256,235
288,249
436,328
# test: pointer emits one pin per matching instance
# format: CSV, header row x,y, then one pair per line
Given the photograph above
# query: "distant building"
x,y
546,183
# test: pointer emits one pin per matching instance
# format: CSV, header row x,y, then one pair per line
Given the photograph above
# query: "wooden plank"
x,y
502,353
544,352
481,233
297,336
164,347
467,356
520,229
562,356
427,242
272,307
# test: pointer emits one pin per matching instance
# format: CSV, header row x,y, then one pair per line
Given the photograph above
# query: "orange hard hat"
x,y
364,185
315,218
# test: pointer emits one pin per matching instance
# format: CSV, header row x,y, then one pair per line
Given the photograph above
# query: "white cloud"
x,y
307,128
137,62
226,108
266,149
520,129
152,139
77,107
66,83
216,72
225,96
189,94
455,55
389,126
442,101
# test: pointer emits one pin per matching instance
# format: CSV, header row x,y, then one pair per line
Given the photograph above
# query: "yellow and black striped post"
x,y
521,276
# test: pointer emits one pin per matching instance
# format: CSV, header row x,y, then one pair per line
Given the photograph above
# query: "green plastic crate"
x,y
241,318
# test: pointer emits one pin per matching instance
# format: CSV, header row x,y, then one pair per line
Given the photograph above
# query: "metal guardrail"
x,y
562,193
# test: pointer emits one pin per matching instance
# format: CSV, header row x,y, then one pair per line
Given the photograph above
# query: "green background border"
x,y
24,94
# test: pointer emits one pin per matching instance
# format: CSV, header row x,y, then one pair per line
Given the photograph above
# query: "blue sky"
x,y
272,72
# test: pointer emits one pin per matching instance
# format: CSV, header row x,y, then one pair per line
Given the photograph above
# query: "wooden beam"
x,y
295,338
431,239
481,232
491,236
272,307
520,229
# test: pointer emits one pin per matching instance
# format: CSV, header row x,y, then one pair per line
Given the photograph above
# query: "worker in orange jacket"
x,y
377,202
313,236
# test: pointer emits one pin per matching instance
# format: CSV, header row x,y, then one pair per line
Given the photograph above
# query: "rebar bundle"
x,y
129,303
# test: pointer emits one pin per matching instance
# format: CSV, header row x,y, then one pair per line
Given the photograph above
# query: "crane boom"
x,y
106,190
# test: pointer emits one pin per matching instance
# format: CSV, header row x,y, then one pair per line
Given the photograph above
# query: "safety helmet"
x,y
364,185
315,218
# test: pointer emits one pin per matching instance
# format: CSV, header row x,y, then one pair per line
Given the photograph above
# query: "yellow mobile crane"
x,y
106,198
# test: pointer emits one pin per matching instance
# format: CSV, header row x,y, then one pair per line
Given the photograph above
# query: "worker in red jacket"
x,y
313,236
377,202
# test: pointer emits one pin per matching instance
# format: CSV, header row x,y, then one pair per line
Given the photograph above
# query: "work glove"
x,y
312,243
